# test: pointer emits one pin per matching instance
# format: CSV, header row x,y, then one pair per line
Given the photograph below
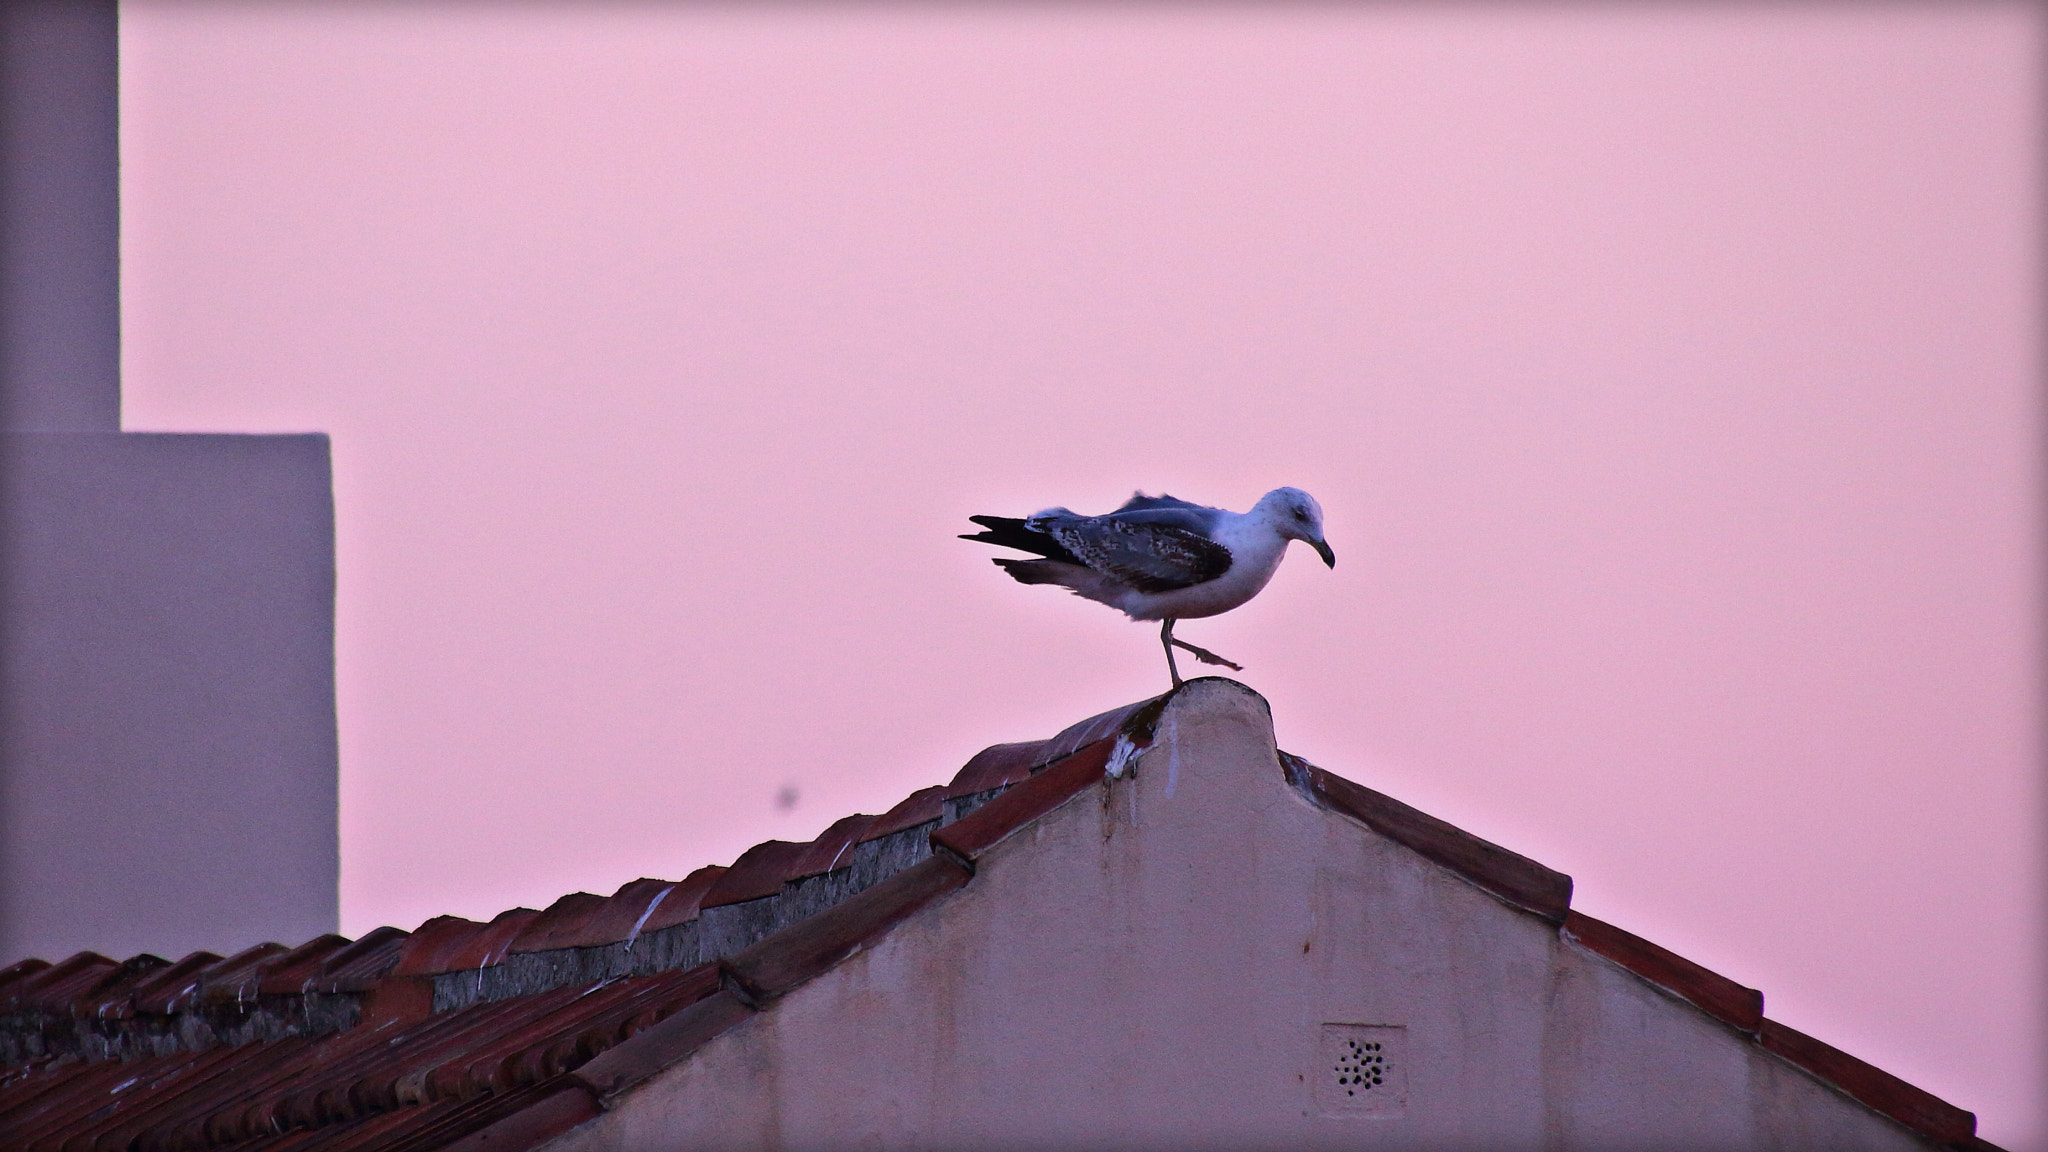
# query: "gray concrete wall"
x,y
1181,960
167,728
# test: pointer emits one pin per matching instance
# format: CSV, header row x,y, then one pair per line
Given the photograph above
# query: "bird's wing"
x,y
1151,557
1139,502
1143,509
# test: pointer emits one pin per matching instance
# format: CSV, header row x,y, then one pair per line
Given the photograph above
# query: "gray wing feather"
x,y
1136,549
1167,510
1139,502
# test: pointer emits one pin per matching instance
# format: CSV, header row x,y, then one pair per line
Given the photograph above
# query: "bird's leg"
x,y
1206,656
1167,642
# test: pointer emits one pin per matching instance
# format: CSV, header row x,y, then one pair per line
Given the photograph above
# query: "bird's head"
x,y
1296,516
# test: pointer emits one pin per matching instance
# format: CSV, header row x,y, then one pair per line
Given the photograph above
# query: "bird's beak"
x,y
1323,550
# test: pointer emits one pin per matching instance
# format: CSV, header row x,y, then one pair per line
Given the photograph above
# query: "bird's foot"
x,y
1205,656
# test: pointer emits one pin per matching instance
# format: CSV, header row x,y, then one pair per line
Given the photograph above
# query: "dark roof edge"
x,y
1739,1007
799,953
1509,877
1524,884
970,837
538,1122
1873,1087
1742,1008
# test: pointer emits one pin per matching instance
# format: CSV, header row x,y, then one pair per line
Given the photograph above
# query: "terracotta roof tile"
x,y
975,833
564,924
996,766
663,1045
1511,878
221,1080
550,1115
63,986
111,998
363,963
920,807
545,1045
52,1105
830,850
237,977
800,952
295,971
18,971
582,920
452,944
677,905
1137,717
164,990
1873,1087
1711,992
757,873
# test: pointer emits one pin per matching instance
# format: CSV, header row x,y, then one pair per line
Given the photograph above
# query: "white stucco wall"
x,y
1156,964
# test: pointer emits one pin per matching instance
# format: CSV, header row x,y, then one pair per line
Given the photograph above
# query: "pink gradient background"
x,y
1668,375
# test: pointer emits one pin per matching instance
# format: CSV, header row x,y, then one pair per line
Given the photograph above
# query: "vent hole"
x,y
1360,1067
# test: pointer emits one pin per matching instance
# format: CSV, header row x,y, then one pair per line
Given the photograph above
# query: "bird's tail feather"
x,y
1006,532
1028,571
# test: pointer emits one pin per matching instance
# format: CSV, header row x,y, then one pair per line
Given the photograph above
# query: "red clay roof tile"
x,y
97,1099
678,905
662,1045
63,986
547,1117
634,905
112,997
777,965
237,977
1711,992
356,967
978,831
1513,879
920,807
295,971
1875,1088
452,944
757,873
549,1043
831,849
995,766
18,971
172,987
1136,718
563,924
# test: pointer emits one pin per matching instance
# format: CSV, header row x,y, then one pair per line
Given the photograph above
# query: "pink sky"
x,y
1667,374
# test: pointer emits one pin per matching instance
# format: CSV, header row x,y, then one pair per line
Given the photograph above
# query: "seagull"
x,y
1159,558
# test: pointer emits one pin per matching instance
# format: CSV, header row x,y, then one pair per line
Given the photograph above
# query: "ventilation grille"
x,y
1361,1066
1361,1070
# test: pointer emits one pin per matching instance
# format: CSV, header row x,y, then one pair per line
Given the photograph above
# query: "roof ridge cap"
x,y
1506,875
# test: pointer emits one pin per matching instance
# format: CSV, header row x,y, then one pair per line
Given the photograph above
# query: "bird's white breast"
x,y
1255,552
